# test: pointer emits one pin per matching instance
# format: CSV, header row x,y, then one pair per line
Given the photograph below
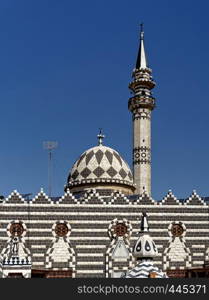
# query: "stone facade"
x,y
90,247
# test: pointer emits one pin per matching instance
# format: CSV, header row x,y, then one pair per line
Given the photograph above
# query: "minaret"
x,y
141,105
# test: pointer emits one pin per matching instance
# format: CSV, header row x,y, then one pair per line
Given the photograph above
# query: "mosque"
x,y
107,224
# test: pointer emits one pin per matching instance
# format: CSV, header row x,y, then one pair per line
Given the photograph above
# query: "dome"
x,y
100,166
145,247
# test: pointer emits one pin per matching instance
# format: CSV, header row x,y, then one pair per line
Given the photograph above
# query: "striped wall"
x,y
89,239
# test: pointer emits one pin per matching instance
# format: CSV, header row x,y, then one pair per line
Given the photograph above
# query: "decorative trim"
x,y
141,155
141,114
16,222
176,223
111,228
98,180
61,222
141,102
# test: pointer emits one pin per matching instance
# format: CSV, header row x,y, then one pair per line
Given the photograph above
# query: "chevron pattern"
x,y
143,270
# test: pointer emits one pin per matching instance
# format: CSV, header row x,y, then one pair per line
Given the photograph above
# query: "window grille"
x,y
16,229
177,230
61,230
120,229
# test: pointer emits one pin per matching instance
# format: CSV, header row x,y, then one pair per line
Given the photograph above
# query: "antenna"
x,y
50,145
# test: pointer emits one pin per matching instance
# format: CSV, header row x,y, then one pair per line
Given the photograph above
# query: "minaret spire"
x,y
141,62
141,104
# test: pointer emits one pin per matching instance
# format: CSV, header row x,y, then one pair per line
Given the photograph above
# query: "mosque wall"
x,y
93,234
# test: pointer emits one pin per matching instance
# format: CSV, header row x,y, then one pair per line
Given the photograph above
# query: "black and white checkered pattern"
x,y
100,164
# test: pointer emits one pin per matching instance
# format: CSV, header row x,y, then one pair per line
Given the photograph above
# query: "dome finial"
x,y
100,137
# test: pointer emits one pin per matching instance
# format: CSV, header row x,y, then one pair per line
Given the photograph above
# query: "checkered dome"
x,y
100,164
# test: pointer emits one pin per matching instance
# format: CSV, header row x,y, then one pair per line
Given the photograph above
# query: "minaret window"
x,y
177,230
120,229
16,229
61,229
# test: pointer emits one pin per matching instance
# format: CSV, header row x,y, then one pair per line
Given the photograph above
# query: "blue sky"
x,y
64,72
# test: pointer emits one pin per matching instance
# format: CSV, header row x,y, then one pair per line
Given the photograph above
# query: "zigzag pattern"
x,y
118,198
195,199
143,270
14,197
170,199
68,197
42,198
114,198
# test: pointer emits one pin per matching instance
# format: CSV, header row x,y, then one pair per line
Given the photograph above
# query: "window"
x,y
177,230
61,229
120,229
16,229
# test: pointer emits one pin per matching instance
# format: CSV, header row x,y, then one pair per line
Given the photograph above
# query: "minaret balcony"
x,y
141,102
141,83
140,71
